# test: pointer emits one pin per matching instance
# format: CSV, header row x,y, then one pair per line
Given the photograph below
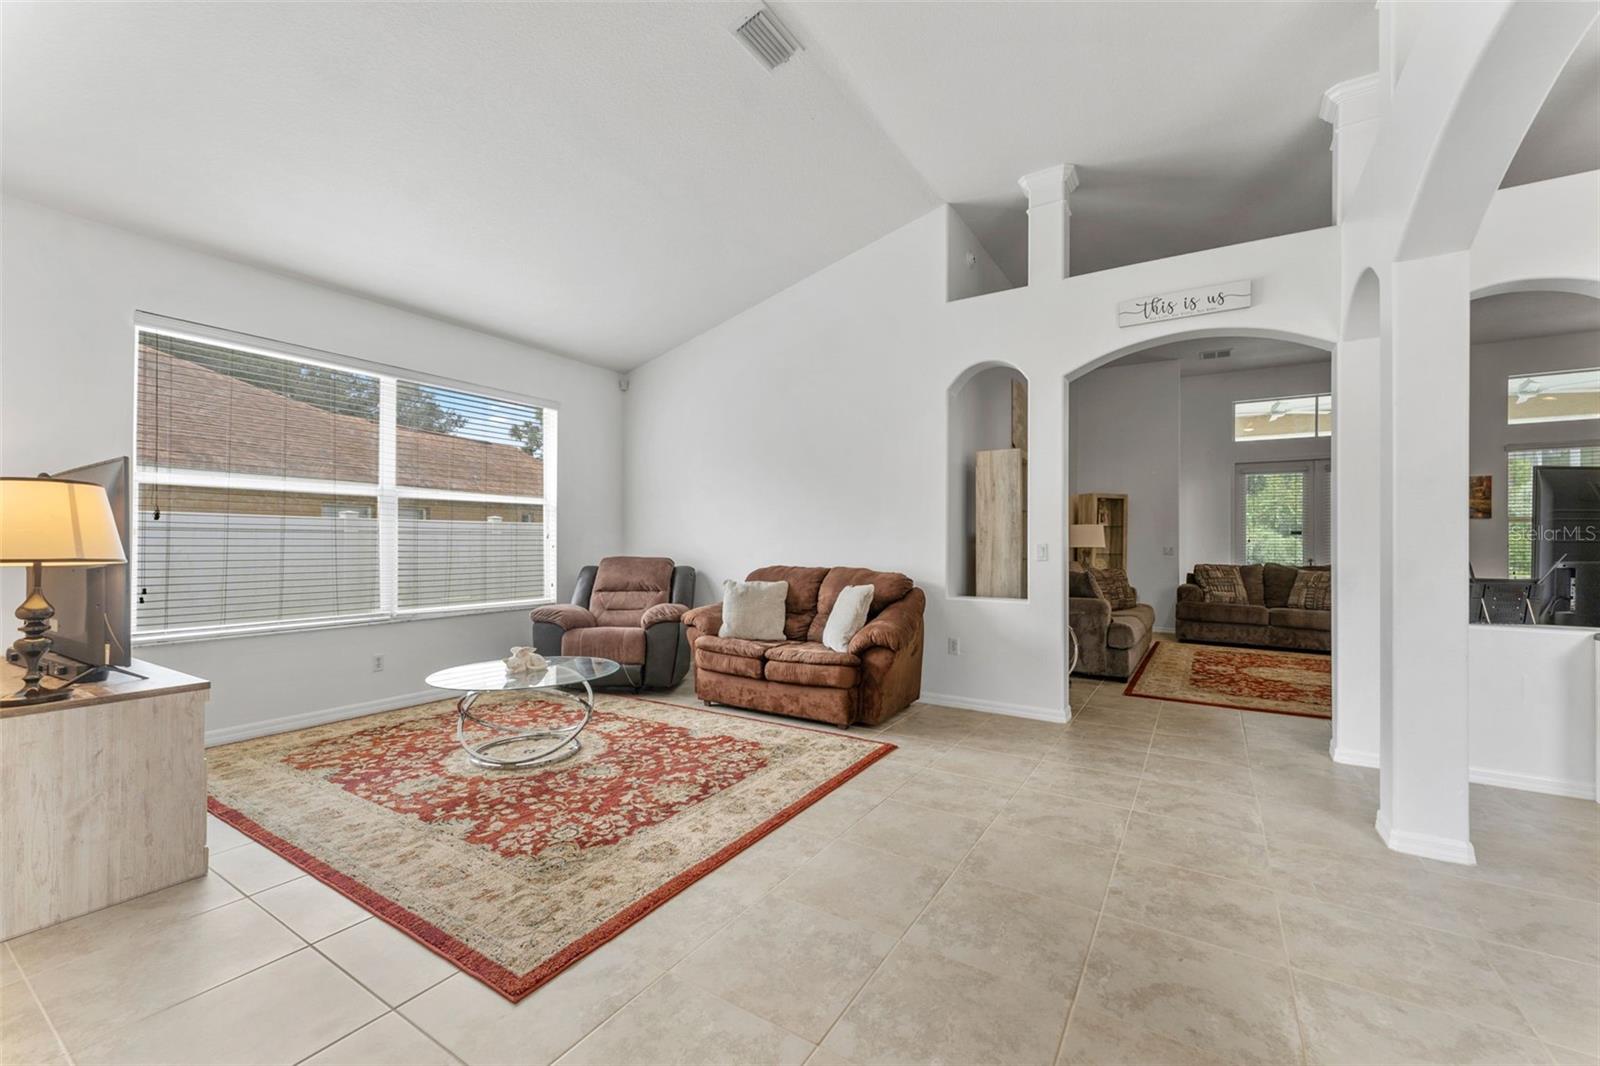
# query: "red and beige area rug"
x,y
1246,679
514,875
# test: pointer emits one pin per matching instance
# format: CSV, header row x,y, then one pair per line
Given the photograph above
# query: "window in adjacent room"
x,y
1285,418
1520,464
1283,513
1566,396
278,490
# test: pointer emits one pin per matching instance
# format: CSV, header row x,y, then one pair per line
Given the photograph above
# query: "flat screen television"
x,y
94,614
1566,542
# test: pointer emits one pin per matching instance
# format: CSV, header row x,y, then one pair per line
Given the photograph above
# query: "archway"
x,y
986,500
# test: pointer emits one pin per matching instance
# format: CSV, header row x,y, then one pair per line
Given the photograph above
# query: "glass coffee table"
x,y
561,677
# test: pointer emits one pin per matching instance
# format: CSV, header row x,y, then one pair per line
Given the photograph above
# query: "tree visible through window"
x,y
1274,517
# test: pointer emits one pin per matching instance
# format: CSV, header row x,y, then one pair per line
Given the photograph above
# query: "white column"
x,y
1049,221
1355,110
1358,522
1423,807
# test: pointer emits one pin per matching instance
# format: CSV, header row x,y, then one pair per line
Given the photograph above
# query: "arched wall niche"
x,y
988,412
1362,319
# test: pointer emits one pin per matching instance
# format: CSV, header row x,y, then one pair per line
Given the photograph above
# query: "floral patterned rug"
x,y
1246,679
514,875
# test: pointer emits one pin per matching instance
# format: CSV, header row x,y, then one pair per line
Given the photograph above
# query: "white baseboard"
x,y
1014,710
288,722
1425,845
1550,786
1354,757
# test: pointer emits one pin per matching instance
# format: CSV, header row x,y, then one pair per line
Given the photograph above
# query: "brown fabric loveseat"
x,y
1112,642
1266,621
878,675
628,609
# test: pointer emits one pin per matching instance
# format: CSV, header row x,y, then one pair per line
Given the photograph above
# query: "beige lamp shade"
x,y
56,522
1086,536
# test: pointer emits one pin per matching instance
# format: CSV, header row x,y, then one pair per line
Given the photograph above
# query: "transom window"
x,y
1285,418
277,491
1564,396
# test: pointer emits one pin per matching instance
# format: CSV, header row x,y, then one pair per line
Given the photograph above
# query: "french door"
x,y
1283,512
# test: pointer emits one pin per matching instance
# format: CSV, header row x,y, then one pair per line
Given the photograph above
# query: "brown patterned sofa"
x,y
1266,621
628,609
878,675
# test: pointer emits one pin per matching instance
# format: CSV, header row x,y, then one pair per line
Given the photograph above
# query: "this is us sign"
x,y
1208,299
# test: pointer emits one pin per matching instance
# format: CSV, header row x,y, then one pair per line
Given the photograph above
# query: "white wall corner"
x,y
1426,845
1049,221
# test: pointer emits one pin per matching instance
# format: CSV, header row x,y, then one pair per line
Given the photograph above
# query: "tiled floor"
x,y
1156,882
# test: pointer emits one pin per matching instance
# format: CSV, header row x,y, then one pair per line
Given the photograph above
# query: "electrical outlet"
x,y
1169,551
1041,554
377,664
954,646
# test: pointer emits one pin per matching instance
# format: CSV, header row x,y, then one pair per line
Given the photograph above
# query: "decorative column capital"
x,y
1051,185
1349,102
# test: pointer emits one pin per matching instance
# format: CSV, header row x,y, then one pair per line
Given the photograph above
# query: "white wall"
x,y
1533,707
1210,454
1489,436
70,289
812,427
1125,436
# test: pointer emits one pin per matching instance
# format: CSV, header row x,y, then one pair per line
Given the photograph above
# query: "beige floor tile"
x,y
753,872
1026,730
1220,1002
1560,998
1095,1038
384,959
1432,969
1196,773
26,1038
1104,732
1123,714
674,1021
1223,749
934,837
878,889
389,1041
9,970
1226,810
1095,786
1299,774
279,1013
1564,1056
1040,940
1073,820
683,923
1112,697
220,836
835,812
251,868
1346,826
792,964
986,765
40,950
880,778
311,908
1182,719
929,723
1350,1025
479,1026
966,796
1089,754
823,1057
909,752
921,1007
1223,852
1229,914
118,981
1042,865
1549,861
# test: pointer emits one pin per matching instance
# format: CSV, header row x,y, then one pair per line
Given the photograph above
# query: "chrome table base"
x,y
565,740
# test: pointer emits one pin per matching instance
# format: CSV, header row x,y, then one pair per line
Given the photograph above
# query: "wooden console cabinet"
x,y
102,796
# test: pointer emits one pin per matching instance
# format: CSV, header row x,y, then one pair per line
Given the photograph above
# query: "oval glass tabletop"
x,y
492,676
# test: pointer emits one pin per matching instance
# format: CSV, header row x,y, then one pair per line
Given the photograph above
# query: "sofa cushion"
x,y
1079,587
1312,591
795,651
800,606
1242,614
813,674
753,610
1111,584
625,644
736,646
1222,583
1277,580
1254,588
1300,618
624,585
717,662
1128,628
887,587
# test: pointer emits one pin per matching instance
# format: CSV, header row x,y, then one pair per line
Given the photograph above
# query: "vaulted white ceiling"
x,y
607,180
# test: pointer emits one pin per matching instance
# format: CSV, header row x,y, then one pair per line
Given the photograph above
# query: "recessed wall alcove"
x,y
987,511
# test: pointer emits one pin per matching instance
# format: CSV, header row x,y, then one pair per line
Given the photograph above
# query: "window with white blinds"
x,y
277,491
1520,465
1284,513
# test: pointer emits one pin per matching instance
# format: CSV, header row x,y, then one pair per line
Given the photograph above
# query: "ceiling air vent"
x,y
1219,353
767,39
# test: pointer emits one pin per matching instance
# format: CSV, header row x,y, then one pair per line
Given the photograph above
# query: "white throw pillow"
x,y
753,610
849,614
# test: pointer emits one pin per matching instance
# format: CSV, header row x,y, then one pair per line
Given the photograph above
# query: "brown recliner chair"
x,y
629,609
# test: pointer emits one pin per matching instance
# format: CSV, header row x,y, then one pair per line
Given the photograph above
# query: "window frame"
x,y
1318,478
1512,519
1317,415
386,490
1558,421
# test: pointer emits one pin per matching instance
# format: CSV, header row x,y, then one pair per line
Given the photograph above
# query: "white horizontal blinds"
x,y
469,477
258,483
1274,513
1321,539
1520,465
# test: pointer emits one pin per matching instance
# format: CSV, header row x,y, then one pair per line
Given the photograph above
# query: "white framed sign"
x,y
1206,300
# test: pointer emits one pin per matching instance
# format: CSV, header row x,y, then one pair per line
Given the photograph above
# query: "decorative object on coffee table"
x,y
548,744
1245,679
515,876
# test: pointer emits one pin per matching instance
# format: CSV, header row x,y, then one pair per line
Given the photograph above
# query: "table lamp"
x,y
1085,536
50,522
